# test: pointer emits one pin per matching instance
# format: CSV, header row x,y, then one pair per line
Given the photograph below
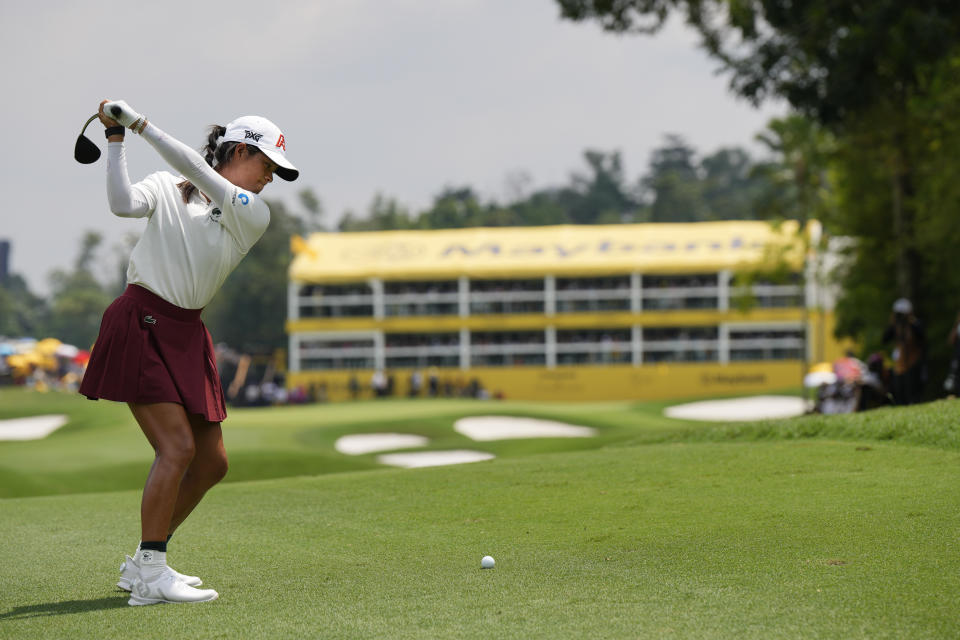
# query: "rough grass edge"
x,y
933,424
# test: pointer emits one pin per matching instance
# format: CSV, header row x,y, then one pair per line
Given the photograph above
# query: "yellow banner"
x,y
581,384
511,252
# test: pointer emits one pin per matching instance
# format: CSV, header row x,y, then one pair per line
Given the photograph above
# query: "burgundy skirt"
x,y
150,350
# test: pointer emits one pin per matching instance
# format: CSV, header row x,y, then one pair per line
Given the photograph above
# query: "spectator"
x,y
354,386
909,353
416,381
391,381
952,384
378,383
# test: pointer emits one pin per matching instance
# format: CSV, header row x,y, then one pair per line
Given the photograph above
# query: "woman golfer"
x,y
153,352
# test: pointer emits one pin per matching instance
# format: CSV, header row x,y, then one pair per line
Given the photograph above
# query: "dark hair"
x,y
223,154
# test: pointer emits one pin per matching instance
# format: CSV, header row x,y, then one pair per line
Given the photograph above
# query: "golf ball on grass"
x,y
487,562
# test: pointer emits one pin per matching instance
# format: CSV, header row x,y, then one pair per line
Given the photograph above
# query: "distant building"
x,y
4,260
617,312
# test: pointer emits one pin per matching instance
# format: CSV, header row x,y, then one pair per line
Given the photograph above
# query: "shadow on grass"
x,y
63,608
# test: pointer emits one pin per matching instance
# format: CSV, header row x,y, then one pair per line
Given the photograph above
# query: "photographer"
x,y
909,353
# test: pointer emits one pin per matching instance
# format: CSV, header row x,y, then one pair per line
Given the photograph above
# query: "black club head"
x,y
85,152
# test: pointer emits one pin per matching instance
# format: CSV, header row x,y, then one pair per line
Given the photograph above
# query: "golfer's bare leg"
x,y
170,434
208,467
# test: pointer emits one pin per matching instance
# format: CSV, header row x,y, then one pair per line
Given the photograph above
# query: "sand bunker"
x,y
740,409
477,428
433,458
361,443
483,428
32,428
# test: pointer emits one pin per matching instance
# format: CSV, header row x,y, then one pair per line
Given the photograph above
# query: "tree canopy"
x,y
830,59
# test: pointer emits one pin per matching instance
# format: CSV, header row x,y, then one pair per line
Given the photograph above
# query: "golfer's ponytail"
x,y
214,153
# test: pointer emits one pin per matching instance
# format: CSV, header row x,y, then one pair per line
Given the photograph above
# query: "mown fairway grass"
x,y
102,449
807,528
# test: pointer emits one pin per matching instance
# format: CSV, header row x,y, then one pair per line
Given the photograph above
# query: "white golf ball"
x,y
487,562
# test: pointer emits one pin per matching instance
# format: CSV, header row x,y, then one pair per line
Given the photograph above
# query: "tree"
x,y
673,183
542,207
831,60
77,300
798,172
384,213
867,185
730,185
21,312
314,209
602,194
453,208
678,188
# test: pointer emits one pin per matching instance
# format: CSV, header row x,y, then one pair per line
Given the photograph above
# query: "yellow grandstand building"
x,y
567,313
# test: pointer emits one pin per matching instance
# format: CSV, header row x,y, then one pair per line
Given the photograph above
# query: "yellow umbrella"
x,y
822,367
19,363
47,346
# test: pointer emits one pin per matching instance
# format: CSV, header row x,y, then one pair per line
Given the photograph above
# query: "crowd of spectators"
x,y
41,364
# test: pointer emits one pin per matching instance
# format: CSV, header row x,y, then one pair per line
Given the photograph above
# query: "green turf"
x,y
841,527
102,449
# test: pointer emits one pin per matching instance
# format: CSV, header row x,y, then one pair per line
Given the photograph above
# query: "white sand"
x,y
32,428
433,458
739,409
483,428
476,428
360,443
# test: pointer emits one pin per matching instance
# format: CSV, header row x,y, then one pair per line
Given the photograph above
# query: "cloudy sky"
x,y
401,97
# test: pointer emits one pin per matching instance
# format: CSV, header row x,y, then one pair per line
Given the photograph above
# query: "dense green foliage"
x,y
21,312
78,298
896,252
678,185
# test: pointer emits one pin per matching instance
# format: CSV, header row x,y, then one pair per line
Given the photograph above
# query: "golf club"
x,y
85,152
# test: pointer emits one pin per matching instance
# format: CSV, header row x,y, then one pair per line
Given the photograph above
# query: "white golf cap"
x,y
266,136
902,306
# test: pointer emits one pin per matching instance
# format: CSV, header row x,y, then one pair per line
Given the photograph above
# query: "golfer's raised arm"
x,y
189,163
178,155
125,200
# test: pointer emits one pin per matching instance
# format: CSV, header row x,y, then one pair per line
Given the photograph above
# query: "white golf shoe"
x,y
156,583
129,570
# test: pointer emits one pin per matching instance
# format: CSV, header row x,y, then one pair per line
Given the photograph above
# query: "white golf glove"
x,y
122,113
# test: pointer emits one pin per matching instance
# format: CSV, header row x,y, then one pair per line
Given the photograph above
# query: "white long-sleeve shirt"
x,y
187,250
